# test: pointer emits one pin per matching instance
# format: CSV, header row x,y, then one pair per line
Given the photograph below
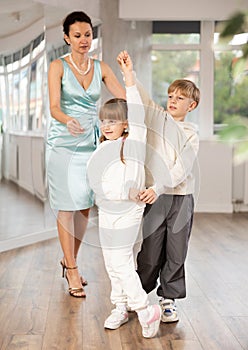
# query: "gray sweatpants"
x,y
166,232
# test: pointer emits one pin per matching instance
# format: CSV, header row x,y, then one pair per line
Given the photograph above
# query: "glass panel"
x,y
231,86
24,97
15,65
231,79
168,66
10,98
39,48
9,67
176,39
37,124
25,60
33,91
2,103
16,89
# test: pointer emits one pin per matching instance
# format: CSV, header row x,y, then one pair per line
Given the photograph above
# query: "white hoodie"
x,y
109,178
172,149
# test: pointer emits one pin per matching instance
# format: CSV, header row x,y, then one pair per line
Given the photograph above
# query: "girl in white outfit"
x,y
116,175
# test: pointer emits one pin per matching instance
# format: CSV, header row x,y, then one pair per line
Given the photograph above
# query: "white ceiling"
x,y
22,20
18,15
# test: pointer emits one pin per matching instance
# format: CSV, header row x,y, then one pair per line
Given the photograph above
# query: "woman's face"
x,y
80,37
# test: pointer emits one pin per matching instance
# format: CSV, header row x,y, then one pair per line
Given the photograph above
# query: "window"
x,y
22,97
175,55
231,80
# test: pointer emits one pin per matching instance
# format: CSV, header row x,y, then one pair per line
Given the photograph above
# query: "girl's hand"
x,y
74,127
148,196
126,65
125,61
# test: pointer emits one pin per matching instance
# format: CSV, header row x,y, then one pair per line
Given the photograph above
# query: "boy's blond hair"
x,y
186,88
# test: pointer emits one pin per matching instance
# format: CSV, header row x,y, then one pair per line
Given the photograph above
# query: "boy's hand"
x,y
125,61
148,196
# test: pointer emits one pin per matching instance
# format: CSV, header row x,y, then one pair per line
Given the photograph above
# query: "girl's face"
x,y
80,37
178,105
112,129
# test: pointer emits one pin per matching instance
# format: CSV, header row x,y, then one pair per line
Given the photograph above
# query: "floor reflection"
x,y
22,213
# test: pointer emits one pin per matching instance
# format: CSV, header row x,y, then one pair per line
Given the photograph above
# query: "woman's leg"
x,y
80,225
65,225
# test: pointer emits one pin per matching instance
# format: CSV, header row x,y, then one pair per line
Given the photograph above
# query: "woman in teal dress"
x,y
74,89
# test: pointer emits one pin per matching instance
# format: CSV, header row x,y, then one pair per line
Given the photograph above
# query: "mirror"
x,y
25,214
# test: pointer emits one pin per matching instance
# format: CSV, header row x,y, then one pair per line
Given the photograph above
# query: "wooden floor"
x,y
36,311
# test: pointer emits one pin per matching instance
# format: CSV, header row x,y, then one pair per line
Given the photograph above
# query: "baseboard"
x,y
35,237
211,208
25,240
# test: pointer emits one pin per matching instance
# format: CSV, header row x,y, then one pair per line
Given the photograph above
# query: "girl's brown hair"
x,y
115,109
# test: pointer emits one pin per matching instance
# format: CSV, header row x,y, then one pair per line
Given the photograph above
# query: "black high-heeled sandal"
x,y
83,281
72,291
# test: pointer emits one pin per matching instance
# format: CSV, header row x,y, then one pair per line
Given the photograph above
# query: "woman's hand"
x,y
148,196
74,127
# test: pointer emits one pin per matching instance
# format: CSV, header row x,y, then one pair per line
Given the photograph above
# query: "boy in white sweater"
x,y
172,146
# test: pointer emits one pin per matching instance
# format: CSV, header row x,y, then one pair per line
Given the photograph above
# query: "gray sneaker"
x,y
169,310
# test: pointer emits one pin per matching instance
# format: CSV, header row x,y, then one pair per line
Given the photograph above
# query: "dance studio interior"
x,y
166,41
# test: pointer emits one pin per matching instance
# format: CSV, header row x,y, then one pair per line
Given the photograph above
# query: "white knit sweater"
x,y
172,149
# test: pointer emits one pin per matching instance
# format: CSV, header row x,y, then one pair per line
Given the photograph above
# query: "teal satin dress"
x,y
67,155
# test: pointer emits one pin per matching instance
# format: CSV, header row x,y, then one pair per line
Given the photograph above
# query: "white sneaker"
x,y
116,319
169,310
150,328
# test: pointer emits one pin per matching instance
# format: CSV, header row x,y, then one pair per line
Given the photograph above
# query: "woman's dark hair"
x,y
77,16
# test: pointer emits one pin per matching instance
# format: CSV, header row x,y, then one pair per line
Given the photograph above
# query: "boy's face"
x,y
179,105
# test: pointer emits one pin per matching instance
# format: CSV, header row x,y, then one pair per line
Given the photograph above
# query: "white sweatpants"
x,y
119,232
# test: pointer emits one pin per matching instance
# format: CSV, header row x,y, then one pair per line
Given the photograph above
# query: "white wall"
x,y
26,163
193,10
215,180
119,35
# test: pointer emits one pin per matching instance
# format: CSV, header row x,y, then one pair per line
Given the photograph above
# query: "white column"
x,y
206,107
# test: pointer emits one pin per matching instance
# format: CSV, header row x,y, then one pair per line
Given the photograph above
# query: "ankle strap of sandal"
x,y
71,268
